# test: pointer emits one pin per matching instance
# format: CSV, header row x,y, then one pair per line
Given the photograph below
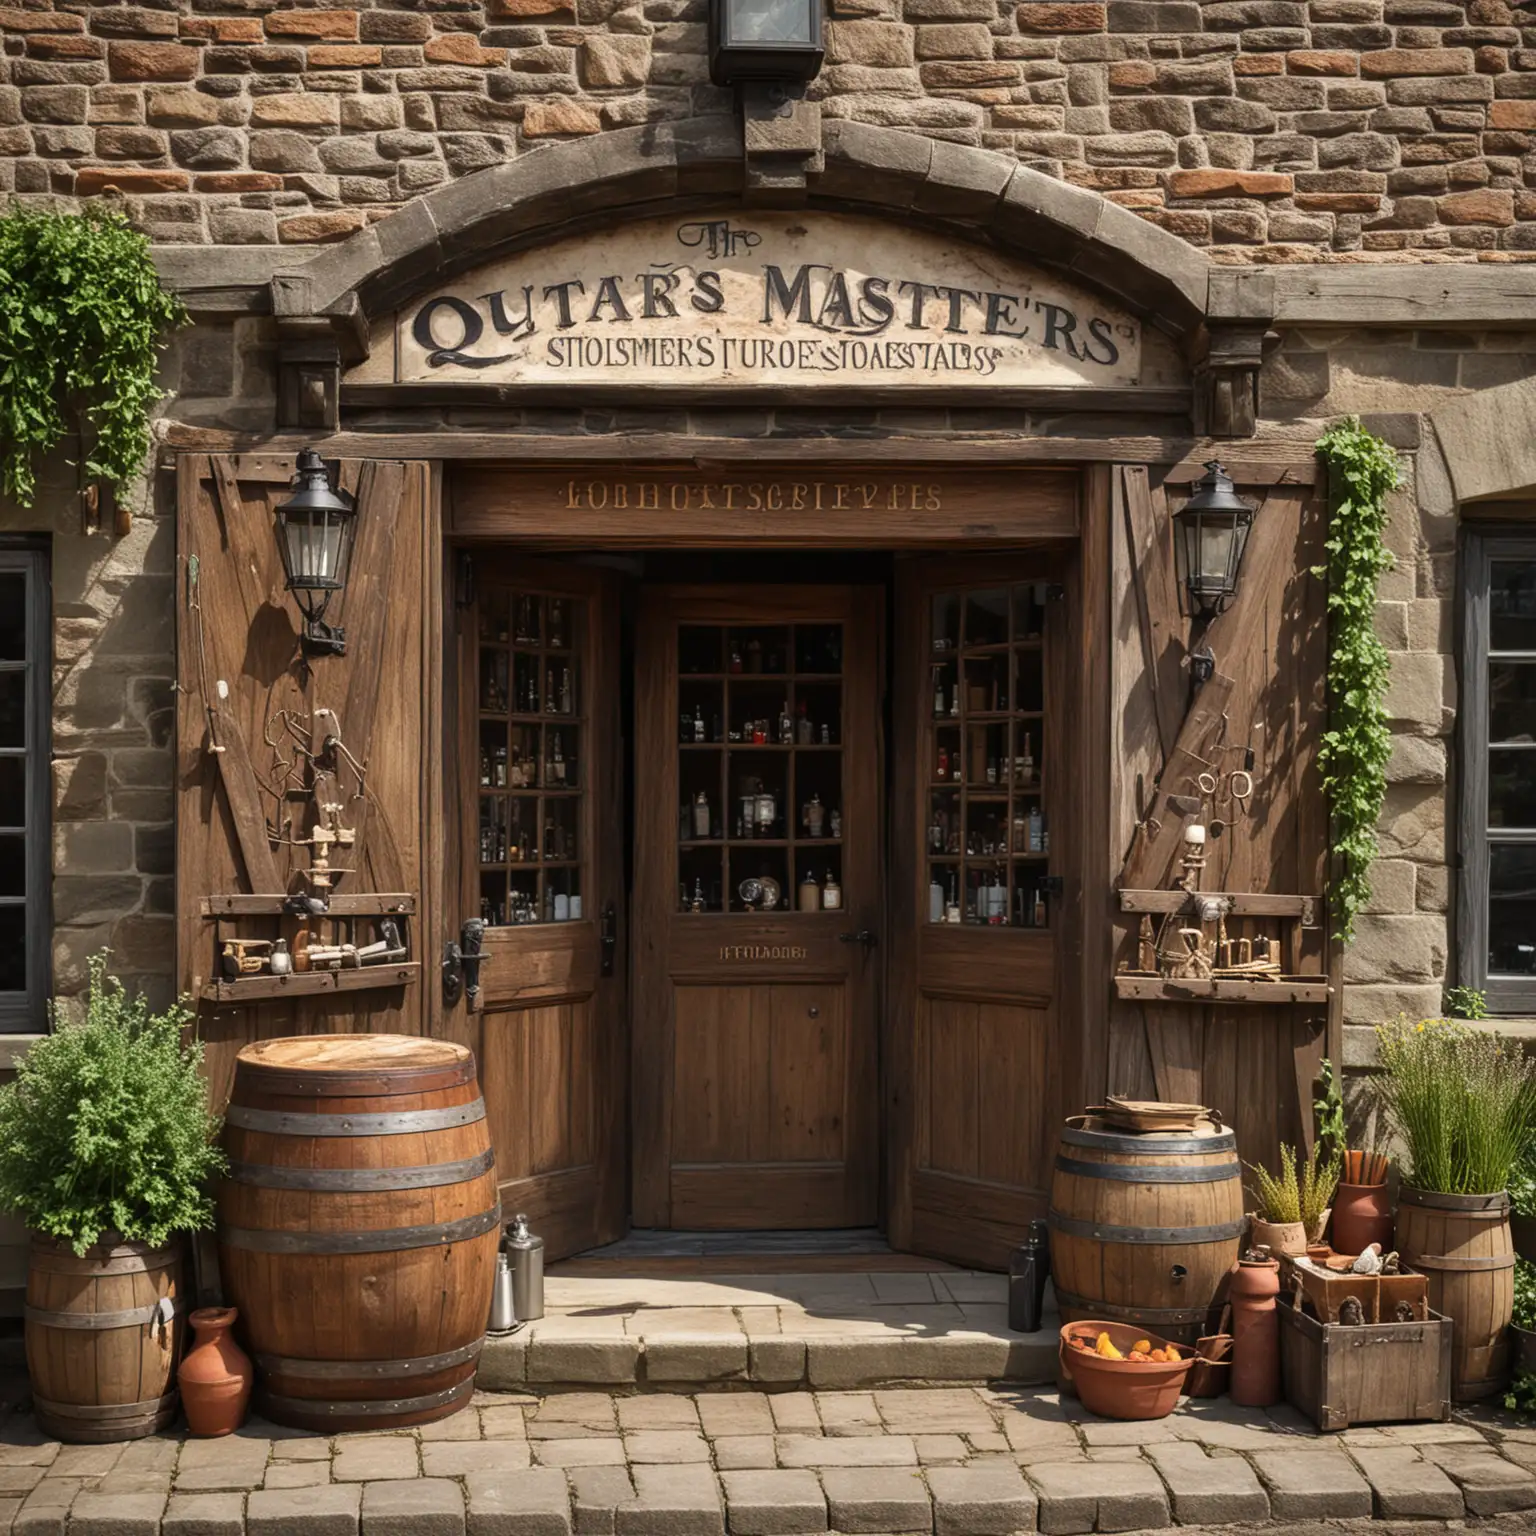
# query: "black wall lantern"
x,y
764,40
1210,532
315,527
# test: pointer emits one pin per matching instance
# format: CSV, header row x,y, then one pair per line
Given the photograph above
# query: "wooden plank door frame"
x,y
1079,821
574,947
652,1023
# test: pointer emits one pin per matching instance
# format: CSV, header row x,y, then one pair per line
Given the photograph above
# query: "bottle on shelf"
x,y
557,623
826,735
786,726
698,723
556,761
1038,915
810,893
701,815
1036,830
813,816
804,730
952,906
939,711
736,662
941,768
936,833
835,822
831,893
485,768
935,902
567,694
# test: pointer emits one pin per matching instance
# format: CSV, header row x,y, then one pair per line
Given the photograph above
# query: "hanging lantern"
x,y
315,527
764,40
1210,532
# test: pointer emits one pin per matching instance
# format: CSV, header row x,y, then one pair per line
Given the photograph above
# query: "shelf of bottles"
x,y
760,768
987,831
532,732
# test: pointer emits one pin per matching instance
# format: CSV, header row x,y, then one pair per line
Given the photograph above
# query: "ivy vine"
x,y
82,314
1362,472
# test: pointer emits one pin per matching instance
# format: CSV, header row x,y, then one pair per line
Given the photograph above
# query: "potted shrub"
x,y
106,1148
1293,1204
1362,1204
1463,1106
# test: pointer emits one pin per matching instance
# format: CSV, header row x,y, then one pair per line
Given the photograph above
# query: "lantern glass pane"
x,y
769,21
1216,535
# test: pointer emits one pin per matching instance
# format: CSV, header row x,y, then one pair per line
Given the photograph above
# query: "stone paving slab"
x,y
947,1459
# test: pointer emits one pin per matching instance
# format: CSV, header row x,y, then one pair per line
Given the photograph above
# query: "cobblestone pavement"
x,y
957,1461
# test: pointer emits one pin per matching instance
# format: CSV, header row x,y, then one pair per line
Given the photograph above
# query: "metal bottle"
x,y
1028,1268
525,1253
503,1308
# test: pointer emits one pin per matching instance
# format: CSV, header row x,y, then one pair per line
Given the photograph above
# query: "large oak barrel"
x,y
1144,1227
104,1332
1462,1244
358,1227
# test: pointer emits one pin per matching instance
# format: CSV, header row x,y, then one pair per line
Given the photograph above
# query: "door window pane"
x,y
13,616
1511,787
1512,605
532,740
1512,909
13,948
13,791
13,864
13,708
987,837
1512,701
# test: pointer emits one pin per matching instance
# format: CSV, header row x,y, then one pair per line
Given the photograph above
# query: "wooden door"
x,y
758,801
980,834
537,840
267,738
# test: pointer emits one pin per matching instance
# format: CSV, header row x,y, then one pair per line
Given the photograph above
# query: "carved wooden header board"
x,y
760,299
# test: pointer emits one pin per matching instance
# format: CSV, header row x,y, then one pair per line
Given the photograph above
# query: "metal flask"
x,y
503,1308
1028,1268
525,1252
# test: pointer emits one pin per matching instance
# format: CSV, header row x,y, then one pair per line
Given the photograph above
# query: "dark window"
x,y
1498,732
24,789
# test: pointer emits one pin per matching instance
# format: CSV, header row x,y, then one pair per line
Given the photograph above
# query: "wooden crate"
x,y
1383,1373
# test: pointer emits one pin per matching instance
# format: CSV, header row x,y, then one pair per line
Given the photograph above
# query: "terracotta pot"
x,y
216,1375
1212,1373
1123,1389
1287,1238
1255,1285
1362,1215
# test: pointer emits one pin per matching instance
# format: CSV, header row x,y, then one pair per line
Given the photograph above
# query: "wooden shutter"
x,y
238,671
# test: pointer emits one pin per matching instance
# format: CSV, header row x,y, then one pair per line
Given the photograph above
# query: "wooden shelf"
x,y
1242,903
400,973
383,904
1284,989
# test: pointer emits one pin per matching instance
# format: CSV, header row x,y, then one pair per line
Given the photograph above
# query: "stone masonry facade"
x,y
1261,130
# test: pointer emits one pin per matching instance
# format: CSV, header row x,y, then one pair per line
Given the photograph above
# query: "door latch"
x,y
865,936
461,963
609,933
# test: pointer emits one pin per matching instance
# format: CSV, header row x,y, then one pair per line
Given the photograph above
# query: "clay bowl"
x,y
1123,1389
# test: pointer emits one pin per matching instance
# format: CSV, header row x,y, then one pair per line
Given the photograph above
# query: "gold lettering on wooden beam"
x,y
751,496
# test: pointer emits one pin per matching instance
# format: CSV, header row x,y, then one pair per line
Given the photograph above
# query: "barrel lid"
x,y
354,1064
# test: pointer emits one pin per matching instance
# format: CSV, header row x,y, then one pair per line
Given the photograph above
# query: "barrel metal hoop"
x,y
126,1317
1108,1309
57,1258
369,1370
149,1406
365,1408
362,1180
377,1240
1072,1227
1442,1263
404,1122
1466,1205
1147,1146
369,1083
1124,1173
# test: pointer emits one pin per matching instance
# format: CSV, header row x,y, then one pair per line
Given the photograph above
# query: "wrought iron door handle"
x,y
865,936
610,938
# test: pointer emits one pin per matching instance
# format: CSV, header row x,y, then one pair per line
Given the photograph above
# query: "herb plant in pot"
x,y
1293,1204
106,1149
1463,1105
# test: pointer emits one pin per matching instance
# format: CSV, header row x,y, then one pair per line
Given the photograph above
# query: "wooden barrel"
x,y
1144,1228
358,1227
104,1332
1462,1244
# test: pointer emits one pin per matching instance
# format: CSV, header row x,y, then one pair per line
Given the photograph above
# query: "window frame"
x,y
24,1012
1480,548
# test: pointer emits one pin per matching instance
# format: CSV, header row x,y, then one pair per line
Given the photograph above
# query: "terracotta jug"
x,y
1255,1285
216,1375
1362,1215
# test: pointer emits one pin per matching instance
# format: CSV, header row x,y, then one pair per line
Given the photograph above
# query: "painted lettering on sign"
x,y
774,299
752,496
762,952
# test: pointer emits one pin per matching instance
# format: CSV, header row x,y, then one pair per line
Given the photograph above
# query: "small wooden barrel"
x,y
358,1227
104,1332
1462,1244
1144,1228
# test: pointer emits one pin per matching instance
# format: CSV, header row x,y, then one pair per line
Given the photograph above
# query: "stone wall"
x,y
1266,130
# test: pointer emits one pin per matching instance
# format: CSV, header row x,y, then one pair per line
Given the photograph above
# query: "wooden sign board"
x,y
810,504
757,300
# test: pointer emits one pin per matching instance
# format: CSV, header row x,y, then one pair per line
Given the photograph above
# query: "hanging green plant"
x,y
82,314
1362,472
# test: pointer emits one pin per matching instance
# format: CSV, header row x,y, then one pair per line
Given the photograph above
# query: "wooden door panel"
x,y
538,687
757,1028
